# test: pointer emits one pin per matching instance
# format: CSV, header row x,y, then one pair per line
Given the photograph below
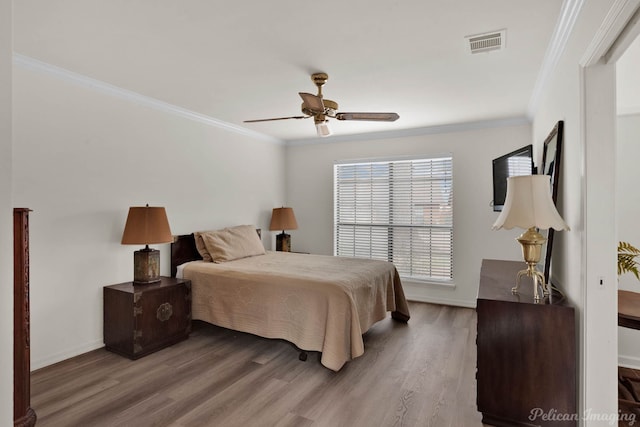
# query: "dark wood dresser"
x,y
527,363
141,319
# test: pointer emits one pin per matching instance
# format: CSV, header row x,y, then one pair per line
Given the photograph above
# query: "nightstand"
x,y
141,319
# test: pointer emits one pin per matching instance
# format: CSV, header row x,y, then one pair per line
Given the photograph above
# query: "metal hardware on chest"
x,y
164,312
137,311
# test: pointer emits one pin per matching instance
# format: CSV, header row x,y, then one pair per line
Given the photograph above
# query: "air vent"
x,y
487,42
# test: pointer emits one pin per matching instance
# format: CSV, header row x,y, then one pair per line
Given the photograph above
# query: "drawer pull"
x,y
164,312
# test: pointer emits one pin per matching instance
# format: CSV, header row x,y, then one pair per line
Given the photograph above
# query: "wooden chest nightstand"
x,y
141,319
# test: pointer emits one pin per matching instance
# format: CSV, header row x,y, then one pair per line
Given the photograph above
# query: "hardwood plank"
x,y
293,420
416,374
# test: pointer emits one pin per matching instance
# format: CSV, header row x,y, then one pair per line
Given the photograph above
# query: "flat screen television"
x,y
518,162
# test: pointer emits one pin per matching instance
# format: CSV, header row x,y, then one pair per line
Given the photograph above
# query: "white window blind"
x,y
519,165
399,211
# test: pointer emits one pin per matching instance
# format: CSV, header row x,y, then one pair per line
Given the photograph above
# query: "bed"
x,y
318,303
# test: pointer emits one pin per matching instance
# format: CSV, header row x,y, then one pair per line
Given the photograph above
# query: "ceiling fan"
x,y
322,109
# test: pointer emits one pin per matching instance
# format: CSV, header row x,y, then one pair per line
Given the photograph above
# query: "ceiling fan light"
x,y
323,129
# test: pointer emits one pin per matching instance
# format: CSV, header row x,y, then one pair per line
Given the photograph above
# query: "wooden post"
x,y
23,414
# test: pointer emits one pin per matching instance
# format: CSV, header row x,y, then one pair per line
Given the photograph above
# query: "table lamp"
x,y
529,205
146,225
283,219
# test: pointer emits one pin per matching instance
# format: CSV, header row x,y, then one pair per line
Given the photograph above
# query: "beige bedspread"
x,y
319,303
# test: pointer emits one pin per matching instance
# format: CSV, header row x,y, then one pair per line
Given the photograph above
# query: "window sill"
x,y
427,282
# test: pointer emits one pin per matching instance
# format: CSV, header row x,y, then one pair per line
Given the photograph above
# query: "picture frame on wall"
x,y
551,157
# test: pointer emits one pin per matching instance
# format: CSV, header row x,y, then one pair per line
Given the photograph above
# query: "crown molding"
x,y
569,12
403,133
32,64
611,29
627,35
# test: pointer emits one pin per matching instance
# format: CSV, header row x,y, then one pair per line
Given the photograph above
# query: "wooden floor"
x,y
416,374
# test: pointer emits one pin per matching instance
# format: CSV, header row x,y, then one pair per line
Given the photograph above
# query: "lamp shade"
x,y
323,129
529,204
283,219
146,225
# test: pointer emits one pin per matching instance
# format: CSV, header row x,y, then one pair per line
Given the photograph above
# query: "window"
x,y
399,211
519,165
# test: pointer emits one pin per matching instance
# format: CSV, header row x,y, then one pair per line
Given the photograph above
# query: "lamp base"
x,y
283,242
146,266
532,241
538,281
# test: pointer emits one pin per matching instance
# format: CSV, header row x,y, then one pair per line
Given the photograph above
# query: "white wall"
x,y
628,217
6,230
310,193
82,158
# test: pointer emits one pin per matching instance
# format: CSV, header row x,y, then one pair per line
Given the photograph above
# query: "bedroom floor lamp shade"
x,y
145,226
283,219
529,205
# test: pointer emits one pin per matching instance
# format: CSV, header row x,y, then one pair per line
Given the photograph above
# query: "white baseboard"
x,y
59,357
631,362
442,301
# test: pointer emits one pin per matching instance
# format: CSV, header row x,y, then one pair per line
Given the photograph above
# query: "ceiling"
x,y
234,61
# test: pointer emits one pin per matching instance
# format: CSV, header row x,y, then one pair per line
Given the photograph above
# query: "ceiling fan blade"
x,y
312,102
277,118
376,117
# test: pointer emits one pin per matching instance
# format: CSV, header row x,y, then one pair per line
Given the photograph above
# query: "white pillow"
x,y
202,249
233,243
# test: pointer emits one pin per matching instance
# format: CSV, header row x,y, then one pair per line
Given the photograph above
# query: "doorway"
x,y
628,210
599,275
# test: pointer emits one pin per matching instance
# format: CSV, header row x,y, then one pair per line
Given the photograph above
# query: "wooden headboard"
x,y
183,249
